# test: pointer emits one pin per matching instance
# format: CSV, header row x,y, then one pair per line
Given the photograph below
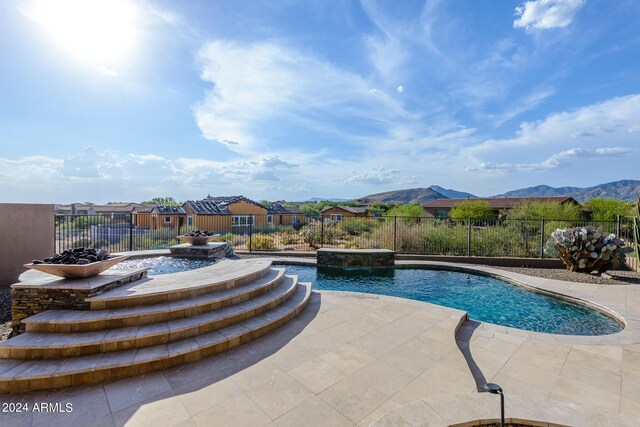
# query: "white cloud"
x,y
557,160
254,84
609,120
276,162
400,89
543,14
375,176
264,176
89,164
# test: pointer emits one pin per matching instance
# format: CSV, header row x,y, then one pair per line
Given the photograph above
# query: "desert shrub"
x,y
289,238
351,245
261,242
355,227
315,234
585,249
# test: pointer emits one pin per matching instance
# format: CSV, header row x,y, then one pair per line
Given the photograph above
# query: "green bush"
x,y
261,242
477,209
608,209
412,210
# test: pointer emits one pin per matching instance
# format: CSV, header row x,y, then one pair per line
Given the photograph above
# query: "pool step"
x,y
40,345
17,375
71,321
191,284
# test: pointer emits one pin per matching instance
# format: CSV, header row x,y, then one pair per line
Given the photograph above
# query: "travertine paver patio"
x,y
349,359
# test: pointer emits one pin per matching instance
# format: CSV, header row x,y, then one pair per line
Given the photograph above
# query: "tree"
x,y
412,210
265,203
608,209
548,210
163,201
379,208
477,209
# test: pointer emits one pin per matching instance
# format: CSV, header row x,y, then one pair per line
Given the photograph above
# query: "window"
x,y
241,220
269,219
167,219
336,217
294,219
442,213
189,220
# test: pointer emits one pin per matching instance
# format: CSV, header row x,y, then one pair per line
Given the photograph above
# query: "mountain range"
x,y
627,190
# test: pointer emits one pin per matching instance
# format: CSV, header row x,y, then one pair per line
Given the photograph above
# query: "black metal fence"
x,y
408,235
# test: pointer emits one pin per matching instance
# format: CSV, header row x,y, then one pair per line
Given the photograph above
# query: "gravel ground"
x,y
5,313
618,277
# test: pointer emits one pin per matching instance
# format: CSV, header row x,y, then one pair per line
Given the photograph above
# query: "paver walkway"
x,y
349,359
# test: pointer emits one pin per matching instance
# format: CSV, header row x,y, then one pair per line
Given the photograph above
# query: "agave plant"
x,y
587,249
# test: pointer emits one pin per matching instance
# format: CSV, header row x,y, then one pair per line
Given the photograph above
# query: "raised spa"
x,y
484,298
165,264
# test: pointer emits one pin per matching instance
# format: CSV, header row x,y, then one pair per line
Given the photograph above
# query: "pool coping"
x,y
630,334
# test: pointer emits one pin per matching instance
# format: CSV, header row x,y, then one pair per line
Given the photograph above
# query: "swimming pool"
x,y
164,264
484,298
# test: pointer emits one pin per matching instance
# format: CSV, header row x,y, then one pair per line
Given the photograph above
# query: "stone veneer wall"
x,y
211,250
28,301
355,258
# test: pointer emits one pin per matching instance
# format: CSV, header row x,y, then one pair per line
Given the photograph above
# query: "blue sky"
x,y
123,101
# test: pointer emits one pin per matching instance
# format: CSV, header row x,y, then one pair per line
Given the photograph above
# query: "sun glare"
x,y
101,32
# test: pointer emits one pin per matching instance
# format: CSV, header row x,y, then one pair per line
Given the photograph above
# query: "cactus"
x,y
586,249
636,229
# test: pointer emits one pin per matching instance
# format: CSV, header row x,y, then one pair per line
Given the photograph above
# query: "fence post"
x,y
542,238
468,237
250,232
131,231
618,226
395,231
321,230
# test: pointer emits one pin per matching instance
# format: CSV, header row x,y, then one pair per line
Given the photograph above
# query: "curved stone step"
x,y
71,321
30,345
222,275
21,376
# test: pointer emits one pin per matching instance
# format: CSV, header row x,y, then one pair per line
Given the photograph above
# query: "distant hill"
x,y
452,194
623,190
327,199
413,195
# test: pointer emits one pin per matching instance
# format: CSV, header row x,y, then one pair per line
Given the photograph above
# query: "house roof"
x,y
217,205
498,202
117,207
161,209
144,208
277,208
352,209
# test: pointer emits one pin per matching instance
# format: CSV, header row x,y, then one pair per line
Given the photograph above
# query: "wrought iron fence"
x,y
408,235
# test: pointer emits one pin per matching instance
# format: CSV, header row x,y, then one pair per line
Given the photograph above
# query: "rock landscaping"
x,y
78,256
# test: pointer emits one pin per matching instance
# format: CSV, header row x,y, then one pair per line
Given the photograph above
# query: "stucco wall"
x,y
26,233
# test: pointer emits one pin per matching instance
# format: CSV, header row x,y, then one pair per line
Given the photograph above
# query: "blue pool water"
x,y
164,264
483,298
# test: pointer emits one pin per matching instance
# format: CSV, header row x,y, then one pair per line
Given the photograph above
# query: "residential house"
x,y
159,216
338,213
236,214
440,208
74,209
